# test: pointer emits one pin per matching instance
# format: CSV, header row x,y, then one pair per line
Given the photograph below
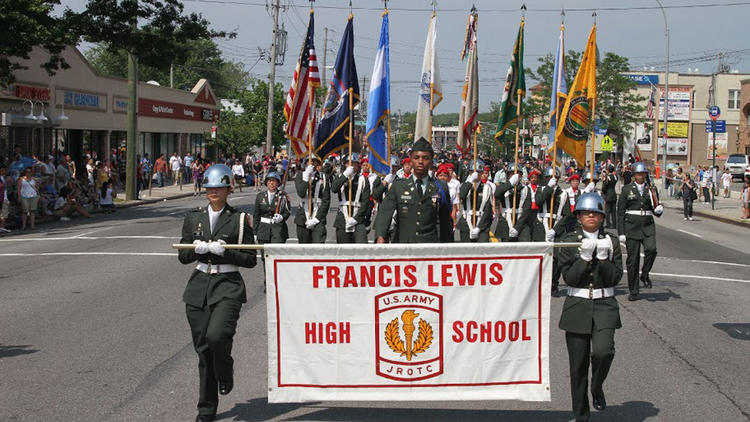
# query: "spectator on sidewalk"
x,y
4,204
746,198
146,169
160,170
90,170
706,182
688,196
67,204
726,182
238,171
71,166
197,171
175,163
107,198
28,197
187,163
62,174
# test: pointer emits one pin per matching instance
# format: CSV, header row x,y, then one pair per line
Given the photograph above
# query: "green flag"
x,y
515,84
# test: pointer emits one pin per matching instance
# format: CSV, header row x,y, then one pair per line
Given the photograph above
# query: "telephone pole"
x,y
271,79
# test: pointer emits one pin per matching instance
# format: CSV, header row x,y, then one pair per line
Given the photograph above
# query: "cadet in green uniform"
x,y
504,197
270,214
566,224
471,228
350,219
636,208
215,292
609,181
590,313
421,204
548,206
311,221
528,228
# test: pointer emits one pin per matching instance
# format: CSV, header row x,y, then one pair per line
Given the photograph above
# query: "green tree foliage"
x,y
27,24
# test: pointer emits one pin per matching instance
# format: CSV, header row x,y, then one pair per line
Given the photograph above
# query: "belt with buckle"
x,y
639,212
216,268
591,293
265,220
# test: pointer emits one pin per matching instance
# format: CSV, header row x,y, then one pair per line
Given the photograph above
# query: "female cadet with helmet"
x,y
590,314
216,291
270,214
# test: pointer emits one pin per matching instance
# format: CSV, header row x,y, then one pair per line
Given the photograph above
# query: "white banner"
x,y
408,322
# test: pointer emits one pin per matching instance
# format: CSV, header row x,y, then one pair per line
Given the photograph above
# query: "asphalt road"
x,y
92,328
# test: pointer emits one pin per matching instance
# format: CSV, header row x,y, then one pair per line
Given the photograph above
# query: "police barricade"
x,y
408,322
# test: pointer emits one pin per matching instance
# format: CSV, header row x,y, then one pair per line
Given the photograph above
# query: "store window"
x,y
734,99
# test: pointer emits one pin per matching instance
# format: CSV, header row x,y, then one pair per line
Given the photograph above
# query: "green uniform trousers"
x,y
633,247
610,211
316,235
484,236
599,347
212,328
358,236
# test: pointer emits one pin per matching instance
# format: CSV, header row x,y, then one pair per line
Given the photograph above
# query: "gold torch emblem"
x,y
406,347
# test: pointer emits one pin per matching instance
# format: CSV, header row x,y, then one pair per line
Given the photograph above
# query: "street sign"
x,y
721,126
213,132
714,112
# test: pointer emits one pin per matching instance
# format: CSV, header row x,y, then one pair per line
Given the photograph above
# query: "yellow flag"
x,y
577,114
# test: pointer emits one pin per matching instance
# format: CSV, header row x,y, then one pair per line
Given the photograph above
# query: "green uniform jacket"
x,y
578,313
378,189
360,214
425,220
568,221
466,194
324,196
267,232
608,188
525,219
635,226
547,203
208,289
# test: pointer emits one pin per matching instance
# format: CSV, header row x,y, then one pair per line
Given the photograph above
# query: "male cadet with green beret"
x,y
504,197
354,192
475,221
528,227
590,313
421,204
636,208
270,214
609,181
314,188
215,292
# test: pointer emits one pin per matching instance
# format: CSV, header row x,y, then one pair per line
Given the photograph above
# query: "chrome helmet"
x,y
640,167
272,175
590,201
548,172
587,176
217,176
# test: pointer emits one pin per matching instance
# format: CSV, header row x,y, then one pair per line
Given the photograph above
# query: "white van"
x,y
737,163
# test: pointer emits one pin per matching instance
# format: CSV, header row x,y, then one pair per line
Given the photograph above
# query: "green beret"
x,y
422,144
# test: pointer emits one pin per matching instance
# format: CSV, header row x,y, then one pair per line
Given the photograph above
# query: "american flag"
x,y
299,108
651,104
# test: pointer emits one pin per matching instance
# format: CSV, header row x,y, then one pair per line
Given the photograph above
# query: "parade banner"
x,y
408,322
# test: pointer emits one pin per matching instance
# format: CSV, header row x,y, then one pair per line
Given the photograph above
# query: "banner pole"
x,y
476,184
351,123
309,145
256,246
515,160
593,135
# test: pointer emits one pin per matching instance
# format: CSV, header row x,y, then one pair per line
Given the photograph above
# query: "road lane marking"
x,y
27,239
93,231
691,234
702,277
89,253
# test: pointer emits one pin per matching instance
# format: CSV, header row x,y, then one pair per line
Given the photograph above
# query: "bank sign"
x,y
643,79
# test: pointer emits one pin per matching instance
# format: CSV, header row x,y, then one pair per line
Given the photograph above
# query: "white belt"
x,y
591,293
471,213
216,268
639,212
510,210
265,220
347,203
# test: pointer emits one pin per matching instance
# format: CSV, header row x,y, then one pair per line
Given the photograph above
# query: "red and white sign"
x,y
408,322
31,92
154,108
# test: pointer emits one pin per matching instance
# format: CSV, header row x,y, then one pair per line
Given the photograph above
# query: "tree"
x,y
27,24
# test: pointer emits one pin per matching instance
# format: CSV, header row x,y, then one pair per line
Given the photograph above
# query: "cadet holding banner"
x,y
314,187
354,193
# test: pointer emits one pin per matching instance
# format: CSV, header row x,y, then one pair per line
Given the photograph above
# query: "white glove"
x,y
307,173
602,249
217,247
474,234
552,182
349,172
622,238
311,222
513,232
473,177
587,249
201,247
590,187
388,178
551,235
513,179
277,218
659,210
350,222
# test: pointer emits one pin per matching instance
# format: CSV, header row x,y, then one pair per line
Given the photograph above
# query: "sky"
x,y
638,33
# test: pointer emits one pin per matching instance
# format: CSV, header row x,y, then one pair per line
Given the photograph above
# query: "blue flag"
x,y
333,131
559,91
379,106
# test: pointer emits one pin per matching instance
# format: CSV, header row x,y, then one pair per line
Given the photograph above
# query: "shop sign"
x,y
675,146
119,104
153,108
82,100
31,92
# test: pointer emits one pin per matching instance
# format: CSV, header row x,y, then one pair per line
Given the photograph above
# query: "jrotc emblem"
x,y
408,335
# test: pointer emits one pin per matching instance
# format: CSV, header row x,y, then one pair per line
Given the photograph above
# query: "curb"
x,y
152,201
723,219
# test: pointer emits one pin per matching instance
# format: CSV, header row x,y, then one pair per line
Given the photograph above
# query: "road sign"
x,y
714,112
721,126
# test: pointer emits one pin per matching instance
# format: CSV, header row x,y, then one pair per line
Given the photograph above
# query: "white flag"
x,y
430,89
467,116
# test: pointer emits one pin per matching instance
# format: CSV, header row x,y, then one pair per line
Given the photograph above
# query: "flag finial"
x,y
562,16
311,5
593,15
434,7
523,10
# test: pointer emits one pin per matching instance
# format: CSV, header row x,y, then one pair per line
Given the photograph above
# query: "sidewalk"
x,y
726,210
157,194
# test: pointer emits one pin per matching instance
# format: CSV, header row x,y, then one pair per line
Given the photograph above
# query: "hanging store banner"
x,y
679,103
408,322
675,129
721,146
642,137
675,146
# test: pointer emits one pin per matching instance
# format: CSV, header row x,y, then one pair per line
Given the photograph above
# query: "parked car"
x,y
738,164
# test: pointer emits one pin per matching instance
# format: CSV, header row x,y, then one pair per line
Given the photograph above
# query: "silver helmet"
x,y
272,175
640,167
590,201
587,176
217,176
548,172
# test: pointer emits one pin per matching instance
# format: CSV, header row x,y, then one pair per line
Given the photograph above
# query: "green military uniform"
x,y
484,211
589,324
529,228
266,230
213,296
320,187
610,199
635,220
567,223
357,202
504,196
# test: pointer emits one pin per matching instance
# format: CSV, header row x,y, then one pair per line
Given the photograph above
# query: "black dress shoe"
x,y
555,291
632,297
600,403
225,387
648,282
205,418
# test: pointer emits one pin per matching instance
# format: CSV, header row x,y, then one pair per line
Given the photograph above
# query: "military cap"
x,y
422,144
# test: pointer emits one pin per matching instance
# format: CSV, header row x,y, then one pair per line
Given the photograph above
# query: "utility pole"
x,y
271,79
130,144
325,51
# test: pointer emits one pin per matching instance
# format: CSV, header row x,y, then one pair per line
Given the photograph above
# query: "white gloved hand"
x,y
277,218
350,222
474,234
622,238
513,232
552,182
513,179
307,173
587,249
551,235
590,187
602,249
659,210
349,172
201,247
311,222
388,178
217,247
473,177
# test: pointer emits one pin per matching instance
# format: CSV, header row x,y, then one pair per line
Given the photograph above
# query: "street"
x,y
93,328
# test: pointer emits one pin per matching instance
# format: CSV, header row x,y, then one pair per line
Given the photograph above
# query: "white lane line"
x,y
94,231
27,239
89,253
713,262
691,234
702,277
176,212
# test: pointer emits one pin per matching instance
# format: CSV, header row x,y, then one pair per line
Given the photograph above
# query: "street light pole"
x,y
666,100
